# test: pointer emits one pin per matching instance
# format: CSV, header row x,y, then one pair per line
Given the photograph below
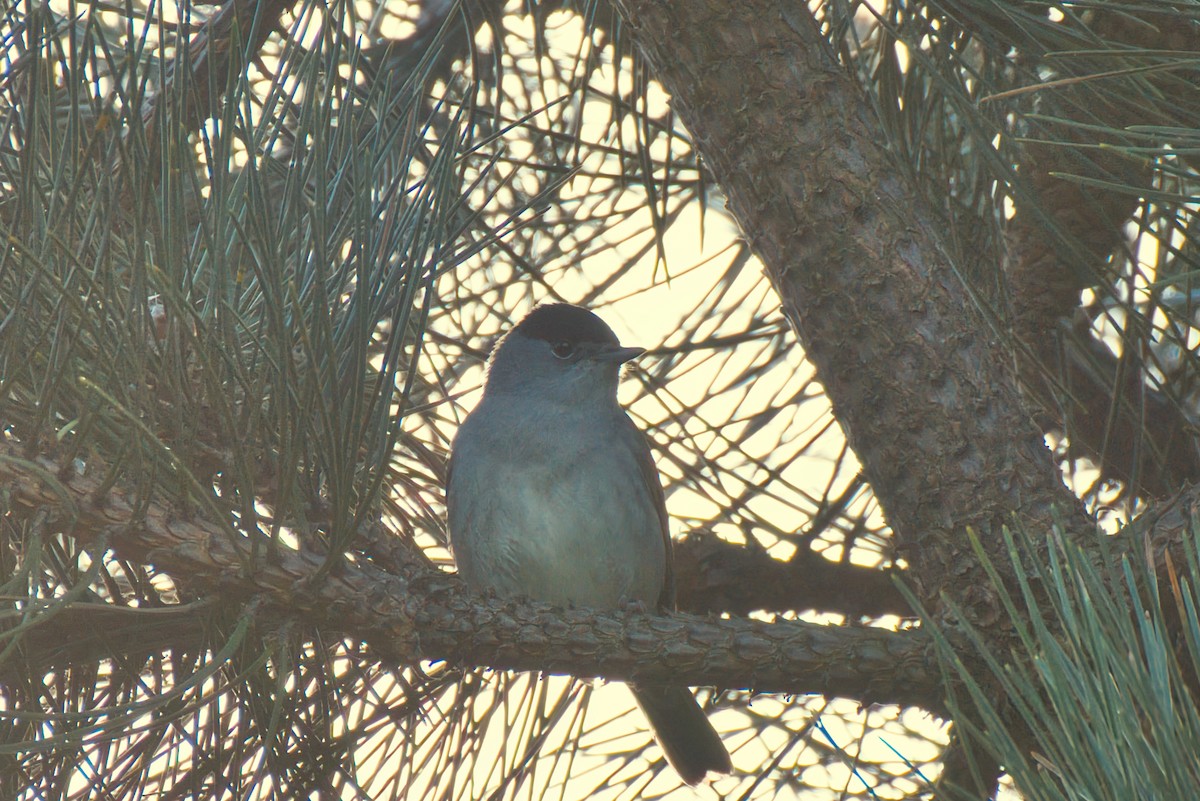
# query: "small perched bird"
x,y
553,495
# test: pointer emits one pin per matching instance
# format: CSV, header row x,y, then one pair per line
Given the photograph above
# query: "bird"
x,y
553,495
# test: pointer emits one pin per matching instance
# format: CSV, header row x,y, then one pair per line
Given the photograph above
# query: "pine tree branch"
x,y
712,575
1101,401
81,634
425,614
202,73
1131,430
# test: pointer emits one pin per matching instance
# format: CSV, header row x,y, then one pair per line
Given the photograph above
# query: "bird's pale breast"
x,y
567,525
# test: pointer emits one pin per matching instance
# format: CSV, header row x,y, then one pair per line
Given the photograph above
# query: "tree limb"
x,y
712,575
201,73
426,614
1059,242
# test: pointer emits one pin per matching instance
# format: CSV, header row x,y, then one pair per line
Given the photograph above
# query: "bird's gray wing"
x,y
649,473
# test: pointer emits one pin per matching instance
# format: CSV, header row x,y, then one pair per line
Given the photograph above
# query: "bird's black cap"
x,y
562,322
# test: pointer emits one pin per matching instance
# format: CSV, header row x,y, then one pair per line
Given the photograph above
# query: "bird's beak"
x,y
615,353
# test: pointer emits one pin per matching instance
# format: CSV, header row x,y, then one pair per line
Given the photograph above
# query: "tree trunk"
x,y
912,369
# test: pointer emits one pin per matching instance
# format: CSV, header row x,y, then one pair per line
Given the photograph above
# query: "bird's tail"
x,y
690,742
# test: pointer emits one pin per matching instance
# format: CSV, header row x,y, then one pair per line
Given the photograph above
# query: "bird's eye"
x,y
563,350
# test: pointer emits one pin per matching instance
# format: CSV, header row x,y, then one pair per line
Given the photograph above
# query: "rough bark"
x,y
421,613
923,392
